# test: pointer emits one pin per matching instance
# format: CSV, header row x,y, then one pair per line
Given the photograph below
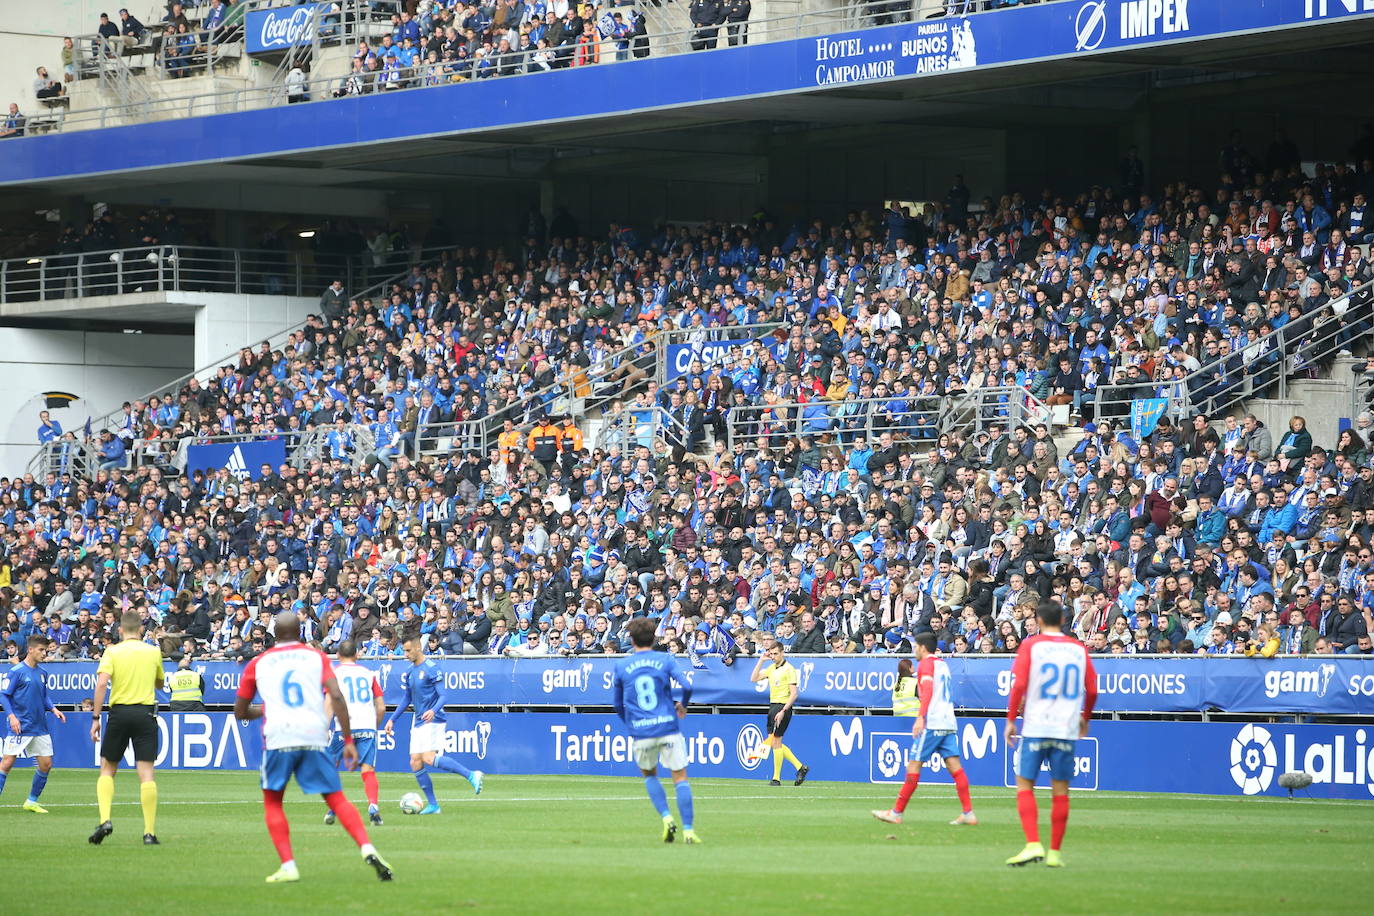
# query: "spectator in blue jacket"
x,y
111,452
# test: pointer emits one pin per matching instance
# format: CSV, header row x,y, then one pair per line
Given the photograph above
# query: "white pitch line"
x,y
577,799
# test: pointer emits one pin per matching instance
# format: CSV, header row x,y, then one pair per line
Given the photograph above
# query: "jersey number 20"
x,y
1053,686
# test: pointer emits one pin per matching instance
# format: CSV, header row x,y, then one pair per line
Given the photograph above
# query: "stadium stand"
x,y
360,47
841,434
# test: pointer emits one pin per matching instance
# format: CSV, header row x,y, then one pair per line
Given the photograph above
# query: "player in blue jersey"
x,y
27,704
423,688
650,713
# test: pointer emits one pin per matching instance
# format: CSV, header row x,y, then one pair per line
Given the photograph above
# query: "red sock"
x,y
370,786
908,788
961,786
348,816
1030,816
277,827
1059,820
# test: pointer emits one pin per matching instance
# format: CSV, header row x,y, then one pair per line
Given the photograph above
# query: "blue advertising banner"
x,y
914,50
1329,685
1208,758
243,460
708,354
281,28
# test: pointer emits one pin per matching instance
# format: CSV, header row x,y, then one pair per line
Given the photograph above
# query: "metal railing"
x,y
439,437
207,373
638,425
1305,347
325,85
920,418
163,268
81,458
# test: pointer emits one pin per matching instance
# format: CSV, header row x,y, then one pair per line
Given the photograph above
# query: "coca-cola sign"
x,y
277,29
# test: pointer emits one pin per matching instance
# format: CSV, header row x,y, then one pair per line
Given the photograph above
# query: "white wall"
x,y
103,369
31,33
226,322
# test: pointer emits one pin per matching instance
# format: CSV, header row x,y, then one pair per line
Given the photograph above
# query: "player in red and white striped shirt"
x,y
935,731
293,680
1054,690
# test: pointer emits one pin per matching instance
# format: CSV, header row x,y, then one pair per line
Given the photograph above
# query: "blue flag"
x,y
1145,414
88,428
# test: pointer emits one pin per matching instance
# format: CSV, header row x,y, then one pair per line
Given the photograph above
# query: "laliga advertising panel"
x,y
1212,758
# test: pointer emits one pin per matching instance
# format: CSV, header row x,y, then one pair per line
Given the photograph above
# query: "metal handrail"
x,y
923,419
660,44
151,268
207,372
1306,344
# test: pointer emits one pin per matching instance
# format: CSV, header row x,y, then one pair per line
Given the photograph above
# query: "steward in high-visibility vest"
x,y
905,701
187,688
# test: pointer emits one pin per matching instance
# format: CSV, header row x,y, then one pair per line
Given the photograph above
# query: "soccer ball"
x,y
412,803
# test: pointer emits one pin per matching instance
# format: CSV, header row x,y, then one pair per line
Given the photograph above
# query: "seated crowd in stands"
x,y
1210,535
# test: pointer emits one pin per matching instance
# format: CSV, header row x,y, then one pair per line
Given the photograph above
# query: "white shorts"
x,y
426,737
27,746
669,750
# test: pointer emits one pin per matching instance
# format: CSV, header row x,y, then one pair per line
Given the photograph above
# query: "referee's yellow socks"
x,y
787,755
777,762
147,797
104,795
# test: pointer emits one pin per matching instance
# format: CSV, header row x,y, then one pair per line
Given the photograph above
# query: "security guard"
x,y
543,443
187,688
570,437
132,670
905,701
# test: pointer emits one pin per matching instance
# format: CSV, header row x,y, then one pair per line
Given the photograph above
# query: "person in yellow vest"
x,y
132,671
782,680
187,688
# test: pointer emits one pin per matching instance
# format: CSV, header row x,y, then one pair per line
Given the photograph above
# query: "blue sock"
x,y
684,804
449,765
656,795
426,784
3,777
40,779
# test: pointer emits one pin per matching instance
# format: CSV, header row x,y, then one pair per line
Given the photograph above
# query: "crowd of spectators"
x,y
1210,535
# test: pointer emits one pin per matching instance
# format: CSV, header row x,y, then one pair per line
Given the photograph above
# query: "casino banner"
x,y
1327,685
1236,758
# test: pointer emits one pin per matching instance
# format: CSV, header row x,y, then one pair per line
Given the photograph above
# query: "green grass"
x,y
574,845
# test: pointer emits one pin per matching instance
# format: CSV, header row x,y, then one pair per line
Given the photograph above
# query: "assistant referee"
x,y
133,671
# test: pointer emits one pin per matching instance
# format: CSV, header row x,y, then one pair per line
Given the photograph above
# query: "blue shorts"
x,y
366,742
314,772
1052,753
934,744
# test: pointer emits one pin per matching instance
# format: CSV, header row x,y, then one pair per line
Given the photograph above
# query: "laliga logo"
x,y
1090,25
889,758
749,738
1253,759
285,30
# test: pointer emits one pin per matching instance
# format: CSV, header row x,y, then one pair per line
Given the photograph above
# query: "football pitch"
x,y
591,845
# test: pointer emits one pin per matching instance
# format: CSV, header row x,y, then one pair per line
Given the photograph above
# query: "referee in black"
x,y
133,672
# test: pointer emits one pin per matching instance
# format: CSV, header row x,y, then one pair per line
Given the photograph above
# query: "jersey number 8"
x,y
645,693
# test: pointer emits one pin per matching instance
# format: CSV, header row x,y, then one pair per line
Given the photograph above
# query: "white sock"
x,y
367,849
288,865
